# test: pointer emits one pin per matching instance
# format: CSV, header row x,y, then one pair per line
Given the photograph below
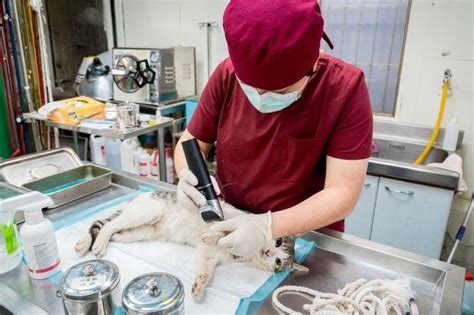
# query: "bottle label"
x,y
143,169
154,169
9,237
42,257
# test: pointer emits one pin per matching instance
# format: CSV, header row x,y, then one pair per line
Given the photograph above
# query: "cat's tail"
x,y
85,244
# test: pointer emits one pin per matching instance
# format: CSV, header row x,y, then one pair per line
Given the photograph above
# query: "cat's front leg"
x,y
206,260
211,237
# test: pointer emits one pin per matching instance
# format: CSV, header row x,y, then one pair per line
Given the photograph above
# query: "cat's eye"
x,y
278,261
278,242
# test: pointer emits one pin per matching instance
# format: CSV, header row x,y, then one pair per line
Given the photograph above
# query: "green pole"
x,y
5,149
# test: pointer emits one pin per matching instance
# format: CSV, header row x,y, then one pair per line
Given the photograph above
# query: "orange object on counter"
x,y
77,109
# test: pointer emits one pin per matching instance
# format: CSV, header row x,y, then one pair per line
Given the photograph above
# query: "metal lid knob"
x,y
153,287
155,293
88,270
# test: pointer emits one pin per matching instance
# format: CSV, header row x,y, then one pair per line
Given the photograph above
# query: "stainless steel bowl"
x,y
156,293
90,287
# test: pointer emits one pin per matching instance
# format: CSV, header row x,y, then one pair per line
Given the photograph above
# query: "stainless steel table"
x,y
339,259
114,133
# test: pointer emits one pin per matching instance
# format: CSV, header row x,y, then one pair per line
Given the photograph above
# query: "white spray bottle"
x,y
39,241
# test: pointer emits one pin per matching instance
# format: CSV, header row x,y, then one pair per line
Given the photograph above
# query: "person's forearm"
x,y
327,206
180,159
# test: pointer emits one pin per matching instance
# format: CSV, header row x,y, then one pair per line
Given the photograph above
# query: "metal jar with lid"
x,y
90,287
156,293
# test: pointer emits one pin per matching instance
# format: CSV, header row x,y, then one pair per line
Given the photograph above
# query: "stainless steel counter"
x,y
341,258
398,145
338,259
420,174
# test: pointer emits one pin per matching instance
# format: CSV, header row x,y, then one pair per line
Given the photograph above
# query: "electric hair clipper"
x,y
212,211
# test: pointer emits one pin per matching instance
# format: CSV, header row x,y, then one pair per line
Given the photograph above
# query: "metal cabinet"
x,y
410,216
359,222
402,214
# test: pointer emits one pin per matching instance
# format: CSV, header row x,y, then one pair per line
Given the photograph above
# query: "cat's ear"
x,y
300,269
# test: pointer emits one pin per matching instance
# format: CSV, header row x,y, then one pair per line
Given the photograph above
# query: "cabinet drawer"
x,y
412,217
359,222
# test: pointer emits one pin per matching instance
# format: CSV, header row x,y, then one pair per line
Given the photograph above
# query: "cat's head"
x,y
280,256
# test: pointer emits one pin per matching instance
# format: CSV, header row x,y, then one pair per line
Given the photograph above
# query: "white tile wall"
x,y
166,23
436,27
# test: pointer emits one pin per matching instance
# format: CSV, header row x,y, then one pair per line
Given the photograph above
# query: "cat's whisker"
x,y
228,184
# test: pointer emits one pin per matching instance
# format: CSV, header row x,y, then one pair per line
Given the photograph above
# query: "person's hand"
x,y
187,194
248,233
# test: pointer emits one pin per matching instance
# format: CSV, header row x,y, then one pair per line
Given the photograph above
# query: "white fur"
x,y
156,216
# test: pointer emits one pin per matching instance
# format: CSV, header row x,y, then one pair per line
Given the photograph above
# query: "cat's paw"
x,y
83,245
210,237
197,289
100,245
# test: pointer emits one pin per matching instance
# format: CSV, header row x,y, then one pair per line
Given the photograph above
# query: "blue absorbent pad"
x,y
251,304
248,305
71,219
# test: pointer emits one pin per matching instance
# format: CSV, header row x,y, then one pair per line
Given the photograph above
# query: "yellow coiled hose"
x,y
435,132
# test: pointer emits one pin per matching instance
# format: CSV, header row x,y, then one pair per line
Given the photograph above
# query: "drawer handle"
x,y
407,192
367,185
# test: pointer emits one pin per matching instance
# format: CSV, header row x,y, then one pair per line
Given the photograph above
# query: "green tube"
x,y
5,148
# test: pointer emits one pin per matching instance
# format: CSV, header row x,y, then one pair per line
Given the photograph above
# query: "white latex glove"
x,y
187,194
248,233
229,210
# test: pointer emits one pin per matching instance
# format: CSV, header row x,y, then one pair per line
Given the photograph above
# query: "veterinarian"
x,y
293,126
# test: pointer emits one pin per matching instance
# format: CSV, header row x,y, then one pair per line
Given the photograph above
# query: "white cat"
x,y
157,216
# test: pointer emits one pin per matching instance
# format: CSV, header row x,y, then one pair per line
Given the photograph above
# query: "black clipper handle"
x,y
197,165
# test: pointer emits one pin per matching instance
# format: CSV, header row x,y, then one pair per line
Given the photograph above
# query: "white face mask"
x,y
270,102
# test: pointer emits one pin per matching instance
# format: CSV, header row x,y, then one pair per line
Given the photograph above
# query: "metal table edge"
x,y
113,134
420,174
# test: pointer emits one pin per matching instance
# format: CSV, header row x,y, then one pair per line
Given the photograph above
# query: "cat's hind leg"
x,y
135,214
142,233
83,245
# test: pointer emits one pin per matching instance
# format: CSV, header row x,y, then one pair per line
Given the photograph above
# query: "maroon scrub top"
x,y
274,161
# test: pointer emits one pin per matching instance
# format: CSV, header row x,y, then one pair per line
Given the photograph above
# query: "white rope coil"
x,y
361,297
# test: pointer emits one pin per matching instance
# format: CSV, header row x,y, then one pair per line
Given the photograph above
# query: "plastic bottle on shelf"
x,y
127,149
155,166
451,134
112,153
136,160
39,245
144,164
169,165
97,145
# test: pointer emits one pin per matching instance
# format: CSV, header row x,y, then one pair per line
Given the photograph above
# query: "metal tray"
x,y
9,190
27,168
73,184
